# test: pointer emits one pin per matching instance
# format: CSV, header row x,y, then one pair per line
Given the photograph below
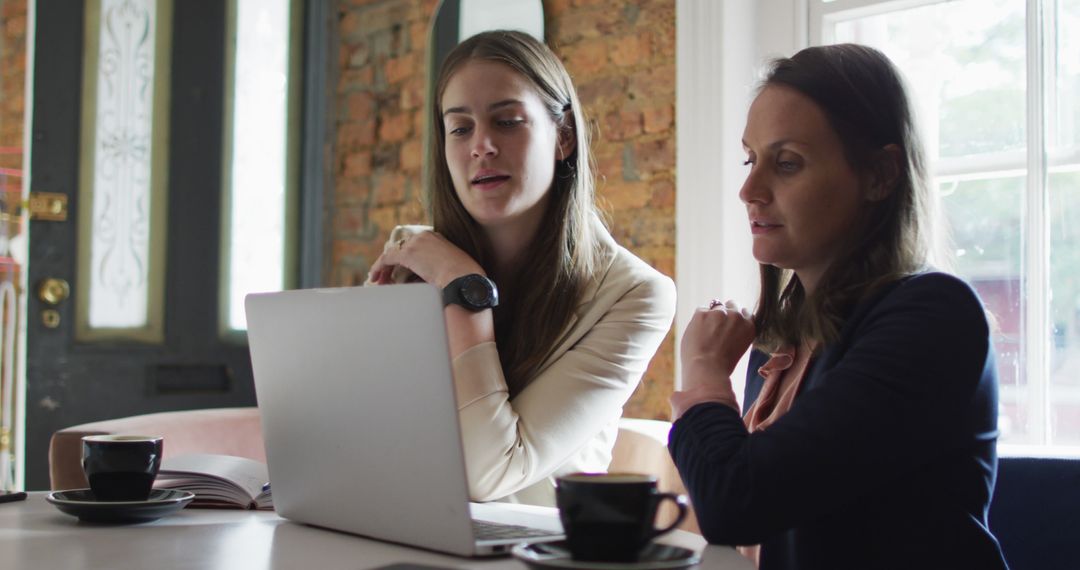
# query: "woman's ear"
x,y
886,172
567,136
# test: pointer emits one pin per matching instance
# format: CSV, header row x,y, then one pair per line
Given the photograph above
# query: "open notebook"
x,y
219,481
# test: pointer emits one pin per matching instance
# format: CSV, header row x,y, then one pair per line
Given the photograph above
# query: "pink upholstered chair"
x,y
641,447
229,431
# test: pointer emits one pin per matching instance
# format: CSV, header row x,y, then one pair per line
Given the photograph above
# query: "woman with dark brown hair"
x,y
870,424
551,323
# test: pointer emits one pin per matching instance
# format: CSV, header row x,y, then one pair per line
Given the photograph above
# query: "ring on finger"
x,y
715,303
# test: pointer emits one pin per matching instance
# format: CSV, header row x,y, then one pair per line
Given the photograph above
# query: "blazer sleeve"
x,y
900,397
510,445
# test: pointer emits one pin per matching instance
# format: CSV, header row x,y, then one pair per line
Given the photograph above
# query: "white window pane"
x,y
985,219
119,254
257,227
1064,124
965,64
1065,307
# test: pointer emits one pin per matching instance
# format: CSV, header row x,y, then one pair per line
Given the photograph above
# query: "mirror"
x,y
457,20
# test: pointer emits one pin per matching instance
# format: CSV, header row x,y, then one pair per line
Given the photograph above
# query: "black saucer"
x,y
82,503
549,555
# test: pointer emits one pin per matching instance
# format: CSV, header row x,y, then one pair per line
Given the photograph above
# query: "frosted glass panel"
x,y
119,254
257,227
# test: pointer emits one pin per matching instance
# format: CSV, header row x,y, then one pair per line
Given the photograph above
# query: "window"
x,y
996,89
260,217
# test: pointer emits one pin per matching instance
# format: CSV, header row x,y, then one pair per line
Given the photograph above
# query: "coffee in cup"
x,y
121,467
610,517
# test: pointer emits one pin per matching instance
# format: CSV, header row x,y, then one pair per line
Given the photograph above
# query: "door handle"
x,y
53,291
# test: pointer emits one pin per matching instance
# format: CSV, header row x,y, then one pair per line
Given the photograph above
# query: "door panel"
x,y
70,382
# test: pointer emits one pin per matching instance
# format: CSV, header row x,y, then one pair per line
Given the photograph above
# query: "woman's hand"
x,y
427,254
714,341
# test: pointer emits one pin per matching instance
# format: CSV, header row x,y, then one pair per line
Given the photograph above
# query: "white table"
x,y
34,535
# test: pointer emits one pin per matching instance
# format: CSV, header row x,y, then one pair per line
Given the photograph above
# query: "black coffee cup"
x,y
121,467
610,517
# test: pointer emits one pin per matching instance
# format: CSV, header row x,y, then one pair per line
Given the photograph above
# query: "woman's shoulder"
x,y
619,265
633,272
623,276
932,284
626,262
932,293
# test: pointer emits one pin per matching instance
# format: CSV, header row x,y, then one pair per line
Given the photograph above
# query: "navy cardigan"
x,y
887,457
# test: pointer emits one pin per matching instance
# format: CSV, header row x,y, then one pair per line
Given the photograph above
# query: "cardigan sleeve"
x,y
512,444
900,396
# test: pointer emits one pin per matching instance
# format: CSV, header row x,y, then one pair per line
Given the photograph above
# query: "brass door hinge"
x,y
48,206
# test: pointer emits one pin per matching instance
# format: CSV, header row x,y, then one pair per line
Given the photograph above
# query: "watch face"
x,y
476,292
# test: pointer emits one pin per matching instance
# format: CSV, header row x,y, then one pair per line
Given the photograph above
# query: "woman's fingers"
x,y
728,306
426,255
718,335
380,271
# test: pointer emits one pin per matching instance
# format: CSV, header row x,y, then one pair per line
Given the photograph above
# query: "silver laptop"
x,y
359,418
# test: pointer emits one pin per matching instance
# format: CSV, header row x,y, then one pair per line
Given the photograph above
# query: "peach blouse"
x,y
783,374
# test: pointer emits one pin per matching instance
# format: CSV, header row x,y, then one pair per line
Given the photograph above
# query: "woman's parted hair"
x,y
863,97
539,301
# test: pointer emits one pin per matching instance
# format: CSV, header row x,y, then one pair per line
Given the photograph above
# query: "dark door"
x,y
71,380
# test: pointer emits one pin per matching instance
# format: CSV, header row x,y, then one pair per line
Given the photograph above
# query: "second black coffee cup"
x,y
121,467
610,517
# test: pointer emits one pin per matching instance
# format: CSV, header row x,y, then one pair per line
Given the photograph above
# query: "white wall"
x,y
721,46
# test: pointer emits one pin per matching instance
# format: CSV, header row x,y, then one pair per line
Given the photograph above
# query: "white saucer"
x,y
82,503
555,555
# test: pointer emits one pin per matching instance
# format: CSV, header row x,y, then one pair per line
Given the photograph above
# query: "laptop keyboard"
x,y
485,530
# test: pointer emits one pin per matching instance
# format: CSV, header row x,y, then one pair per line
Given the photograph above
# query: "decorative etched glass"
x,y
258,186
121,187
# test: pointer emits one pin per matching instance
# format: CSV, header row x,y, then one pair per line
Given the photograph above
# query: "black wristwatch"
x,y
474,292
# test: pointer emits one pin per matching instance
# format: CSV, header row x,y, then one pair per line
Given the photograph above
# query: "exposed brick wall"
x,y
621,54
12,85
380,116
12,81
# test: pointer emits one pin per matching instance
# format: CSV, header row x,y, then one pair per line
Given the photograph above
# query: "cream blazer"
x,y
566,418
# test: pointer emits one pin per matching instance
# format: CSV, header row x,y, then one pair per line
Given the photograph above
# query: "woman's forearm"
x,y
466,329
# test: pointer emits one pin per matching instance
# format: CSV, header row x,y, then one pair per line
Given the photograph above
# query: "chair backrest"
x,y
1035,512
229,431
641,447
